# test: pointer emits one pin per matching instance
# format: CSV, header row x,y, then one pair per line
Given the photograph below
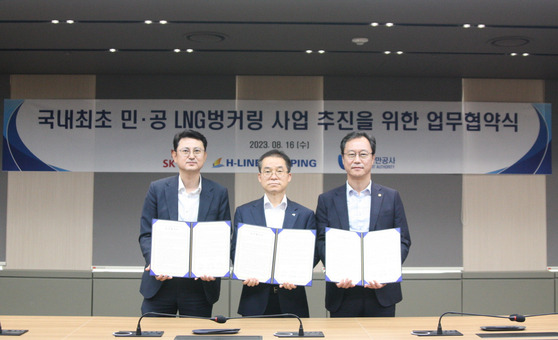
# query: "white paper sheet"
x,y
343,255
294,259
382,256
211,248
170,248
254,252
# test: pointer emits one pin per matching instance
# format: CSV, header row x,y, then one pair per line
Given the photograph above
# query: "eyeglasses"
x,y
278,172
186,152
361,155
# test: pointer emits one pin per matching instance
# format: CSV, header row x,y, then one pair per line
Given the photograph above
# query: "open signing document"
x,y
184,249
274,255
362,257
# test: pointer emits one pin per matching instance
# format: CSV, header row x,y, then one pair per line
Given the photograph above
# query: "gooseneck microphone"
x,y
299,334
440,332
12,331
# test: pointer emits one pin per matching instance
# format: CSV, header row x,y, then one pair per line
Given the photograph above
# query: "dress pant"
x,y
185,296
362,302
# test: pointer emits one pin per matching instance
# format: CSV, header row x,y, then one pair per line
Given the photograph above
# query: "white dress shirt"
x,y
274,217
358,204
188,203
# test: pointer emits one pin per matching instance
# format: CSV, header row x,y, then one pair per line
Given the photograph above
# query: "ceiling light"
x,y
112,50
400,52
360,41
387,52
148,22
466,25
481,25
321,51
163,22
189,50
513,54
374,24
308,51
389,24
177,50
69,21
55,21
525,54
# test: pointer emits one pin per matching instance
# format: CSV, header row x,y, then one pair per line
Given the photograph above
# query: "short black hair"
x,y
188,134
275,153
354,135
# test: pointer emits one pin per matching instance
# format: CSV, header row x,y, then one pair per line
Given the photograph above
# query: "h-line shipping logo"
x,y
251,162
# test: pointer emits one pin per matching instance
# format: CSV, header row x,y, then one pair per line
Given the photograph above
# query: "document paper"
x,y
254,253
274,255
294,258
362,257
182,249
211,248
170,248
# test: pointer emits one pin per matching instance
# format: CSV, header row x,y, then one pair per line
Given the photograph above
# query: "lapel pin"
x,y
294,214
379,195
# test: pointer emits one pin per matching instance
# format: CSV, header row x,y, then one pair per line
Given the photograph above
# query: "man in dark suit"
x,y
273,210
361,205
187,197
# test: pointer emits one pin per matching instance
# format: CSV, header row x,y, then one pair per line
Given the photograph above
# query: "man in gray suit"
x,y
276,211
186,197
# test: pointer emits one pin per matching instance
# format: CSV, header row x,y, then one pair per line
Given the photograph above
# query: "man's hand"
x,y
287,286
373,284
205,278
251,282
159,277
345,283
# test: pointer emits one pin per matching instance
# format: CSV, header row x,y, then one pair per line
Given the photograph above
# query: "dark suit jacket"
x,y
386,212
253,300
161,202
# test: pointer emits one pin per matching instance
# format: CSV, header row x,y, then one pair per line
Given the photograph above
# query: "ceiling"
x,y
271,37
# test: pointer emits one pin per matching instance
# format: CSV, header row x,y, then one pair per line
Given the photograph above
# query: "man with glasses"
x,y
186,197
276,211
361,205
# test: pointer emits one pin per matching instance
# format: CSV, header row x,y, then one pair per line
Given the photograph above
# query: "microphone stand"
x,y
440,332
12,331
139,333
299,334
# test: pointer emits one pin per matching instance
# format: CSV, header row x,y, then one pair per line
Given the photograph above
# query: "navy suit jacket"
x,y
253,300
161,202
386,212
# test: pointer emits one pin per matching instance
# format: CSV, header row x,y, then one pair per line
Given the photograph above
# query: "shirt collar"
x,y
352,192
282,205
182,189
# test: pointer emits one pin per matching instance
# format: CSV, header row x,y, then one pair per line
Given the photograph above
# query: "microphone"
x,y
440,332
12,331
299,334
139,333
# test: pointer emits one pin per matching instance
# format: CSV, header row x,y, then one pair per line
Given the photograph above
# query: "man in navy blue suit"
x,y
276,211
186,197
361,205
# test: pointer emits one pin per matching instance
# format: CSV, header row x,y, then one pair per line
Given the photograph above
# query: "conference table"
x,y
100,327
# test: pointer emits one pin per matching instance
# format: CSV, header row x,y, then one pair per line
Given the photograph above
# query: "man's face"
x,y
358,158
274,177
189,155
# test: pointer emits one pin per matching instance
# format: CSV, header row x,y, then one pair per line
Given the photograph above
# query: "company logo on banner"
x,y
412,137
